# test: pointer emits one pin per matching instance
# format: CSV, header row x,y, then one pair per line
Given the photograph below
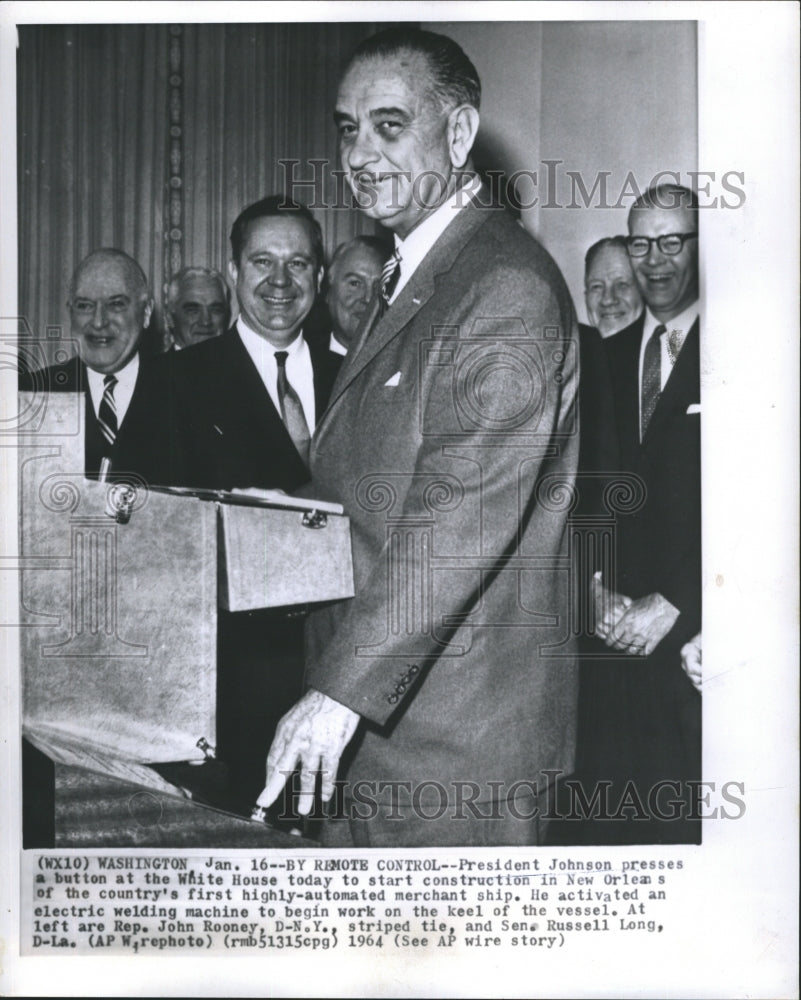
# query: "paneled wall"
x,y
153,137
588,96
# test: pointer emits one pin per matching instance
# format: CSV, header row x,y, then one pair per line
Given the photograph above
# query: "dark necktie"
x,y
107,412
292,410
390,273
651,379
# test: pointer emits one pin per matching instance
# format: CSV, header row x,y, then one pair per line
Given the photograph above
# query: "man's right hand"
x,y
610,606
313,733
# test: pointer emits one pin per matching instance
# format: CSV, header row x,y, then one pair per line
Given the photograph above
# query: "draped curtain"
x,y
152,138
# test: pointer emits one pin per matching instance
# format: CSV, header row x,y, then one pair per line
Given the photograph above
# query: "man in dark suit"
x,y
227,424
351,282
646,710
238,412
611,293
447,685
110,307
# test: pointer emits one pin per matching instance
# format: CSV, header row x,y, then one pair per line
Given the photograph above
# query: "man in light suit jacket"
x,y
447,686
110,308
645,726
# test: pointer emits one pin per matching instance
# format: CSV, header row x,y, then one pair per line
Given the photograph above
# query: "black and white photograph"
x,y
400,471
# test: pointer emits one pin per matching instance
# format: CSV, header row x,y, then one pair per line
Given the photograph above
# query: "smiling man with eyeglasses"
x,y
646,714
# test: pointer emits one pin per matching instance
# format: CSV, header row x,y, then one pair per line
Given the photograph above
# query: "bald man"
x,y
110,307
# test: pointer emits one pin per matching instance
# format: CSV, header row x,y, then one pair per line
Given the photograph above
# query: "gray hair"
x,y
454,77
596,248
186,273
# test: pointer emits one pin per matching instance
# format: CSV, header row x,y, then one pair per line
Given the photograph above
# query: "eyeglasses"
x,y
669,244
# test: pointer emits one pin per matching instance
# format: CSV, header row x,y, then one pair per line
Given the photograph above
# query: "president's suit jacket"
x,y
449,435
218,427
134,434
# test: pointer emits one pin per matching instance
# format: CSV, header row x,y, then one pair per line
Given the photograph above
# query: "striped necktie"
x,y
390,273
292,410
651,378
107,412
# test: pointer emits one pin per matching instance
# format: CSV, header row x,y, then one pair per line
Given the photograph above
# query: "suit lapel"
x,y
624,365
376,332
77,376
325,366
246,394
94,442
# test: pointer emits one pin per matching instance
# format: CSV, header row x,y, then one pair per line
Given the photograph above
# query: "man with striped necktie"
x,y
110,307
454,405
641,713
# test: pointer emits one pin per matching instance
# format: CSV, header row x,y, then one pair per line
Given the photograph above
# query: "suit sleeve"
x,y
496,413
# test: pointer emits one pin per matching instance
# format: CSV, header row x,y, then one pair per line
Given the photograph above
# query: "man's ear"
x,y
462,129
233,272
148,313
320,274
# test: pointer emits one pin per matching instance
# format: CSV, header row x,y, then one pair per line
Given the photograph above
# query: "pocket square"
x,y
693,408
394,379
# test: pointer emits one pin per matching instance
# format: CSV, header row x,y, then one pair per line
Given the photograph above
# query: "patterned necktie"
x,y
390,273
651,379
292,410
675,342
107,412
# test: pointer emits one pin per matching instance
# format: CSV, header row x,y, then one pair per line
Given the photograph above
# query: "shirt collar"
x,y
420,240
682,323
336,346
257,344
126,376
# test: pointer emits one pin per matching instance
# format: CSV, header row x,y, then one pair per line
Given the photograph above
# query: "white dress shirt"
x,y
123,390
679,327
299,371
421,239
336,347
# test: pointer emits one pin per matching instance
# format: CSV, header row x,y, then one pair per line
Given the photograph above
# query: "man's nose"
x,y
362,152
205,318
99,316
655,255
279,275
609,296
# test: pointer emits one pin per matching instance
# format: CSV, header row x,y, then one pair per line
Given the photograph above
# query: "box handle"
x,y
315,519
